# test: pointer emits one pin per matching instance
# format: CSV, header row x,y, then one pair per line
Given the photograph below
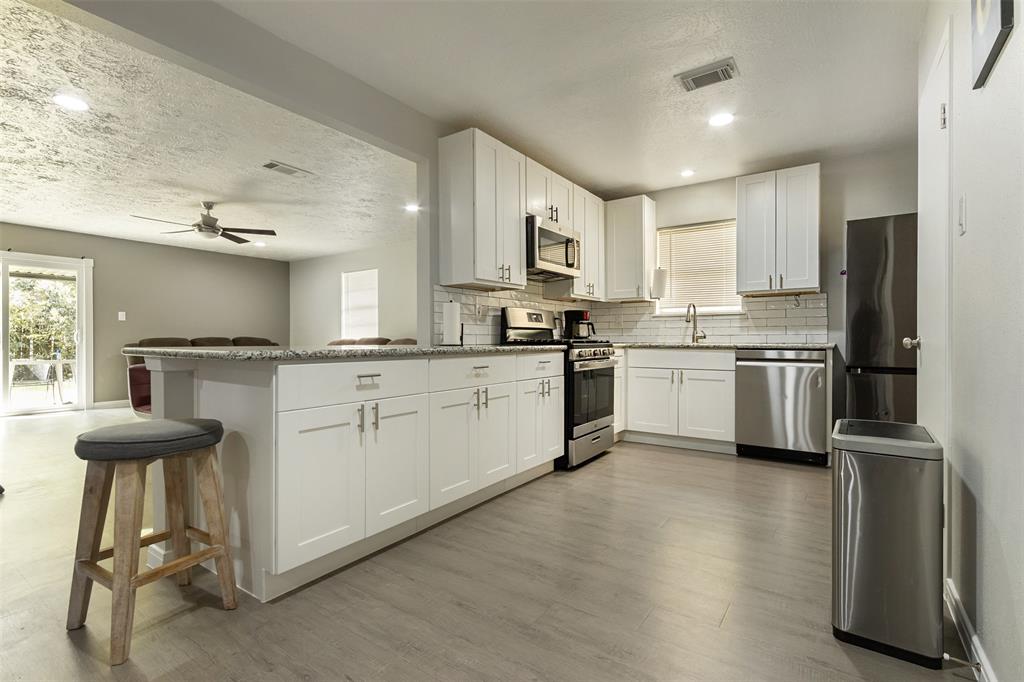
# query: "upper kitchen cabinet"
x,y
777,231
630,243
482,210
589,221
548,195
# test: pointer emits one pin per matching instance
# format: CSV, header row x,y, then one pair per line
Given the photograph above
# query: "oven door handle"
x,y
587,365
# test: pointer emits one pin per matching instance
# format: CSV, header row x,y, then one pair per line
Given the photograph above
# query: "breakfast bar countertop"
x,y
710,345
285,353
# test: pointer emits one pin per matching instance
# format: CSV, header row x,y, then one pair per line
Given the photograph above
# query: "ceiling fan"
x,y
207,226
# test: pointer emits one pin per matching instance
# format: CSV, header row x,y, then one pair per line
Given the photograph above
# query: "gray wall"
x,y
863,186
985,464
316,293
165,291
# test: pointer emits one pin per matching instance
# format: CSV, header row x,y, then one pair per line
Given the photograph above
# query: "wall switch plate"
x,y
962,215
121,317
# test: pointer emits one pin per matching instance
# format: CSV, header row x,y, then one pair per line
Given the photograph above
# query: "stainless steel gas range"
x,y
589,381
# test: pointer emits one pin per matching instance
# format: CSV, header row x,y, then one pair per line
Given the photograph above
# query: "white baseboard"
x,y
155,556
108,404
681,442
969,638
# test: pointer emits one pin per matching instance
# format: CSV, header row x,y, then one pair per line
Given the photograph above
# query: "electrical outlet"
x,y
121,316
962,216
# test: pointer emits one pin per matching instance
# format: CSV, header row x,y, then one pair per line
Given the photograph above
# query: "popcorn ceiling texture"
x,y
783,319
159,138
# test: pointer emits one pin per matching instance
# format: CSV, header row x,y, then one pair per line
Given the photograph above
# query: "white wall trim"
x,y
109,404
969,638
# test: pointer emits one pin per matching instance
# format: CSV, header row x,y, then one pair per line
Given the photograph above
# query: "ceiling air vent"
x,y
710,74
285,168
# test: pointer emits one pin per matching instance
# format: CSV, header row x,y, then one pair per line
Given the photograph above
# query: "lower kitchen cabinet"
x,y
397,461
696,403
653,401
541,421
320,482
619,423
707,404
472,440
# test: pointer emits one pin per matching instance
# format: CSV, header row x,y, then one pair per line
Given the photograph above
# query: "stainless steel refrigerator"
x,y
881,309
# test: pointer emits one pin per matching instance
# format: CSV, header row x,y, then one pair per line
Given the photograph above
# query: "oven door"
x,y
593,395
552,251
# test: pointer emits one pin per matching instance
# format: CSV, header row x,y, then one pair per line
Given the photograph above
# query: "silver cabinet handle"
x,y
548,385
376,416
540,388
672,378
770,282
478,368
556,214
362,418
476,396
551,211
543,362
508,270
781,285
360,377
909,343
486,400
595,439
501,272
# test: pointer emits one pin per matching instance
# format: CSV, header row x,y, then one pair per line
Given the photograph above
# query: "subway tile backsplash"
x,y
779,319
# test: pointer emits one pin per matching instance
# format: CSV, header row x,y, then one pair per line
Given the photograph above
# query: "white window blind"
x,y
701,264
359,304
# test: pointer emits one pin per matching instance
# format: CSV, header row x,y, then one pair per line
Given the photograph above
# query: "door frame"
x,y
83,268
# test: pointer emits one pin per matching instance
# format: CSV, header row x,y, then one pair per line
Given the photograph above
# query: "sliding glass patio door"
x,y
45,315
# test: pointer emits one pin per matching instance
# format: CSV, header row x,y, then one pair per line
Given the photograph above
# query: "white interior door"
x,y
45,333
933,249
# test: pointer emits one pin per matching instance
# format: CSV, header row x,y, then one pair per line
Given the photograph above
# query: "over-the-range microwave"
x,y
553,251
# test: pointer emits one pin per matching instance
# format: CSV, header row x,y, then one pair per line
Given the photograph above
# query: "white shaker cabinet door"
x,y
562,200
797,228
496,433
620,400
653,401
538,190
454,423
512,219
397,461
755,233
530,423
553,420
320,483
707,404
488,160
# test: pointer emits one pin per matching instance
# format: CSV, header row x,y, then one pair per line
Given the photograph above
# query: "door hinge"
x,y
942,116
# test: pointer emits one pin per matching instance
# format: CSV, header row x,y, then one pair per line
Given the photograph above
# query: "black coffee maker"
x,y
578,324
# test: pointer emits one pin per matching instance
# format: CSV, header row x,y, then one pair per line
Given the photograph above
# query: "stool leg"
x,y
213,504
174,492
129,496
99,476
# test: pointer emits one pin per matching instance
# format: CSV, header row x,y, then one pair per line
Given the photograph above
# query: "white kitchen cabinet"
x,y
482,185
707,404
653,397
631,249
320,483
453,442
541,421
589,221
619,420
496,439
397,461
548,195
777,231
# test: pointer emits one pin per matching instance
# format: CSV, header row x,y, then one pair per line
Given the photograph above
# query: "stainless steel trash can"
x,y
887,539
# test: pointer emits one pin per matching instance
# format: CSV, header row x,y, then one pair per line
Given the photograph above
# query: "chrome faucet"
x,y
695,335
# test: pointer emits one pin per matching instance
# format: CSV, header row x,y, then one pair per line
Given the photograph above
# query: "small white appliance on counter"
x,y
451,324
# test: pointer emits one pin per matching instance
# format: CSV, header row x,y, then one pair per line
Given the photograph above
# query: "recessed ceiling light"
x,y
412,208
722,119
259,244
687,173
70,102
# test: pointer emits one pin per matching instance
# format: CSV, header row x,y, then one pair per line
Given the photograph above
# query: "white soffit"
x,y
160,138
588,89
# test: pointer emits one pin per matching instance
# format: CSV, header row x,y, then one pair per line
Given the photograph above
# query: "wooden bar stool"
x,y
118,457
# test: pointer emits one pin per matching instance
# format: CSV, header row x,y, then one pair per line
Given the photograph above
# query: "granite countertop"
x,y
275,353
707,345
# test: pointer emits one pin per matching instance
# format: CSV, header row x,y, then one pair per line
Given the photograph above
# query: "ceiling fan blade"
x,y
159,220
177,231
243,230
234,238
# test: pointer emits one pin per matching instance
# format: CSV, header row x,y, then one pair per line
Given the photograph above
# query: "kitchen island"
x,y
331,454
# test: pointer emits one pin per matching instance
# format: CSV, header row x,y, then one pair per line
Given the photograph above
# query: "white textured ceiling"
x,y
587,87
159,138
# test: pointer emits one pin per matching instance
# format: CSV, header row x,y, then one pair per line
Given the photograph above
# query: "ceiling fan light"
x,y
208,234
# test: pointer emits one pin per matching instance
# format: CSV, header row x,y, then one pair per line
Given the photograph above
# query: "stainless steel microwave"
x,y
553,251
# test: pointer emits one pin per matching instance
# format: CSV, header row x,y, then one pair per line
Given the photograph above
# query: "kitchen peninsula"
x,y
331,454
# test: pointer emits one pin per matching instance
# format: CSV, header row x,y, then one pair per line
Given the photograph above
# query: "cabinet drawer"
x,y
535,365
683,358
475,370
316,385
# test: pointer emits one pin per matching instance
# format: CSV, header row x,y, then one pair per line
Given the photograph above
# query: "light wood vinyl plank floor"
x,y
647,564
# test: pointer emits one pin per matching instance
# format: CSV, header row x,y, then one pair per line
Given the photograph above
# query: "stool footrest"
x,y
198,535
172,567
144,541
94,571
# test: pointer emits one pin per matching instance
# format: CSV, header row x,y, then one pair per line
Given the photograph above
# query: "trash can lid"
x,y
885,438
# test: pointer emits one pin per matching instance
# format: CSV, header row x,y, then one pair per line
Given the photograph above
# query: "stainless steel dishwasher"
x,y
782,404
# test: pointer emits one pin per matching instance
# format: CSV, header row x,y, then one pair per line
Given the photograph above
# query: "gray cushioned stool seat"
x,y
150,438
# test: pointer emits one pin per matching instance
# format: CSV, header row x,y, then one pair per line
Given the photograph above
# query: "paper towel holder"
x,y
659,282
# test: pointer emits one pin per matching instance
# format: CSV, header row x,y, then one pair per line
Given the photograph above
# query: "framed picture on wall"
x,y
991,22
